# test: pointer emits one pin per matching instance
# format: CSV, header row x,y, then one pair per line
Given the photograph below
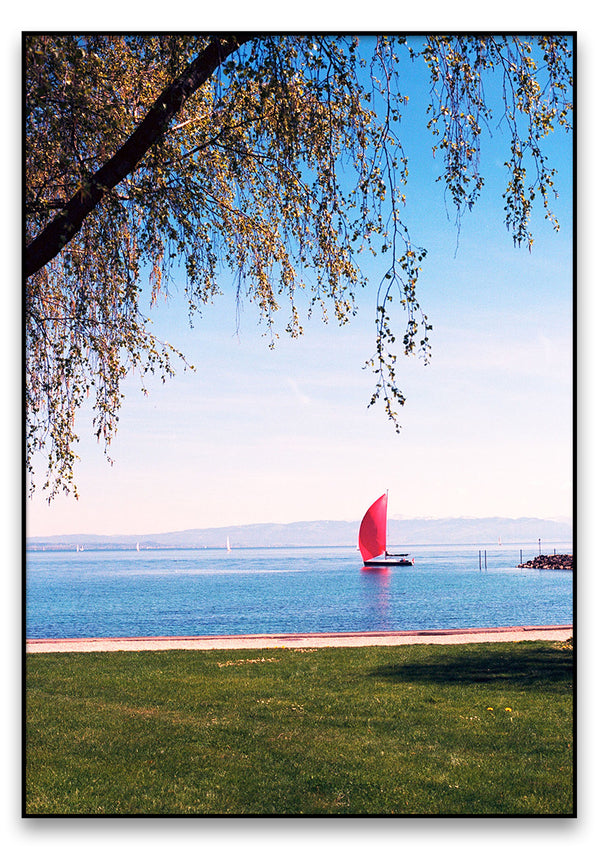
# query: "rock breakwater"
x,y
549,561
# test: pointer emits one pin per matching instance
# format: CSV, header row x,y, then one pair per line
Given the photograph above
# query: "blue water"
x,y
269,591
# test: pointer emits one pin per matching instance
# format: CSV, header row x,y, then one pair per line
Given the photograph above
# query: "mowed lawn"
x,y
434,730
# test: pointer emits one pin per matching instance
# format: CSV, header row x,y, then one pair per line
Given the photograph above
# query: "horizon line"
x,y
560,519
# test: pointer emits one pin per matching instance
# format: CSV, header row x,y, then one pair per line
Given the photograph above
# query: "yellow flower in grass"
x,y
508,709
489,708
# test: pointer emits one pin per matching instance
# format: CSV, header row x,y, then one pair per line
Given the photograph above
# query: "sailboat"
x,y
372,537
228,545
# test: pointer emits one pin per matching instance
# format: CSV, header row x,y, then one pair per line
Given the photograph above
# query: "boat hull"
x,y
388,561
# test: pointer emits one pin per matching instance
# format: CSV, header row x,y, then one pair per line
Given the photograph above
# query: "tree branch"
x,y
68,222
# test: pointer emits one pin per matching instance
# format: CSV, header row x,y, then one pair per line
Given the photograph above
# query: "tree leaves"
x,y
281,163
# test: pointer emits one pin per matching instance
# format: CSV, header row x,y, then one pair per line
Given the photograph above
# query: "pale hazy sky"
x,y
256,435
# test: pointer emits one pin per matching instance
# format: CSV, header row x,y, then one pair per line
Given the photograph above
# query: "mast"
x,y
385,553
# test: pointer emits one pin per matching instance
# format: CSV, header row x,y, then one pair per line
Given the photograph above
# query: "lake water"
x,y
270,591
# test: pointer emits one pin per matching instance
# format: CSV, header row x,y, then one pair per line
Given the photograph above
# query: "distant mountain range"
x,y
401,532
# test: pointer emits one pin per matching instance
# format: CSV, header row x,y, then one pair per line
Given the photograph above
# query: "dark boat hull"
x,y
389,561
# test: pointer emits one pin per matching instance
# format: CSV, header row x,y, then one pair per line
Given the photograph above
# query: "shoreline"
x,y
515,633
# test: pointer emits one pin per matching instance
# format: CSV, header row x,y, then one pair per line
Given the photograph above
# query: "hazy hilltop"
x,y
401,532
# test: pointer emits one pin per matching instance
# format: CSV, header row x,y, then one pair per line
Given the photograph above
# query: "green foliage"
x,y
284,165
414,730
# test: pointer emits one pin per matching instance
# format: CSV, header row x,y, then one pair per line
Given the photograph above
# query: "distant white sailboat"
x,y
228,545
137,546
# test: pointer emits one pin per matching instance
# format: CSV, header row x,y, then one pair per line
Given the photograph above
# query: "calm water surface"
x,y
269,591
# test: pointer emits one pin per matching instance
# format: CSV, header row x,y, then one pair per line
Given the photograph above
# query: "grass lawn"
x,y
465,729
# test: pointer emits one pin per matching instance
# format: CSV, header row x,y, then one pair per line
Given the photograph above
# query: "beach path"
x,y
293,641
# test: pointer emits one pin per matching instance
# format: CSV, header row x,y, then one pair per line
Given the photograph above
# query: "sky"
x,y
259,435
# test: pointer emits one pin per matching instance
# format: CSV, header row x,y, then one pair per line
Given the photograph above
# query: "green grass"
x,y
472,729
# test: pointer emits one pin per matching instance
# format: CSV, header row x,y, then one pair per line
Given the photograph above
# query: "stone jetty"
x,y
549,561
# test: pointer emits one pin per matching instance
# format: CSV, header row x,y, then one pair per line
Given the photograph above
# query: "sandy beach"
x,y
295,641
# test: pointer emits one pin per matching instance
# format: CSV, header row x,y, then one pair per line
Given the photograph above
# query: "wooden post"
x,y
480,560
485,557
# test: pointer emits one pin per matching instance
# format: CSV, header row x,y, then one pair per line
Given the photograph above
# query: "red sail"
x,y
371,536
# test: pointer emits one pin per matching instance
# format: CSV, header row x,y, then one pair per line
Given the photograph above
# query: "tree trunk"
x,y
67,223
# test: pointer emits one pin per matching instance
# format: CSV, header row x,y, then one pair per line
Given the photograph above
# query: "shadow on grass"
x,y
529,667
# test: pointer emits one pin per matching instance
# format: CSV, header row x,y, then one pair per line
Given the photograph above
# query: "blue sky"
x,y
260,435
